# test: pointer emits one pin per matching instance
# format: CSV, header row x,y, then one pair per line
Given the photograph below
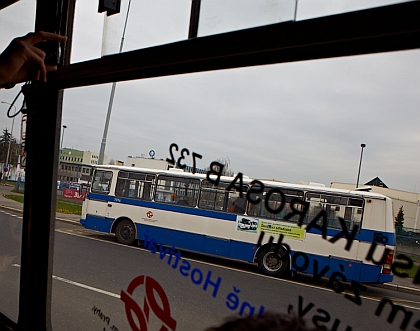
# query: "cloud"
x,y
291,122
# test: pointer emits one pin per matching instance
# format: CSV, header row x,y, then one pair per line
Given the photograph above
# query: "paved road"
x,y
89,275
91,270
399,284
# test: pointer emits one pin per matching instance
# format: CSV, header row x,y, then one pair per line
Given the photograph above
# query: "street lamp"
x,y
360,164
111,97
10,140
62,138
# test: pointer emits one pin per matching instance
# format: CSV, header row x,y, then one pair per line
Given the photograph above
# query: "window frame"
x,y
311,39
338,200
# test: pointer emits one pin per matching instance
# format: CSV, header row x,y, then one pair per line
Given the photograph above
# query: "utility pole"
x,y
111,98
360,164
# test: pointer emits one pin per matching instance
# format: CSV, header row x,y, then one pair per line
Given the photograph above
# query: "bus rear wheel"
x,y
272,263
125,232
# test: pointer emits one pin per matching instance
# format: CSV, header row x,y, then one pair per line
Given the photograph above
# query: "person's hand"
x,y
22,61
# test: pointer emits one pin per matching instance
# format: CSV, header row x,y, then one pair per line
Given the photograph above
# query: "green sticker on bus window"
x,y
288,231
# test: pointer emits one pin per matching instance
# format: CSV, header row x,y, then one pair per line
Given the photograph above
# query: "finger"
x,y
36,59
39,52
42,71
36,75
48,36
34,38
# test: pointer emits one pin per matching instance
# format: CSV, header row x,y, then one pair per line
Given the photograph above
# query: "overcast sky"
x,y
291,122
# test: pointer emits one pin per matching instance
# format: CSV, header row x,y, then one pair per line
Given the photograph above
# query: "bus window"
x,y
354,217
235,203
177,190
335,207
213,197
101,181
216,197
275,204
238,204
135,185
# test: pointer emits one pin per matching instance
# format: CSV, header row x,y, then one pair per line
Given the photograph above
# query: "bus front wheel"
x,y
272,263
125,232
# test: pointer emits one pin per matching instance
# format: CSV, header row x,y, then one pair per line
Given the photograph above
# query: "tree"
x,y
112,162
5,138
399,219
227,171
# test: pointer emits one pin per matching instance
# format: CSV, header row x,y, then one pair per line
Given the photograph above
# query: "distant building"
x,y
142,162
93,158
70,155
410,201
376,182
76,165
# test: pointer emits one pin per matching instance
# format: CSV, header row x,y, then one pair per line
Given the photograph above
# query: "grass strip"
x,y
61,206
414,269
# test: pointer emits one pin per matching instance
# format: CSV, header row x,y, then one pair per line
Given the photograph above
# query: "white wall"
x,y
141,162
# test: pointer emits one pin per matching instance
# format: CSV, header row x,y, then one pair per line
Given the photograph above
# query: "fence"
x,y
408,240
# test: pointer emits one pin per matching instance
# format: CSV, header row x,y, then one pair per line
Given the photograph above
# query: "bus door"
x,y
99,202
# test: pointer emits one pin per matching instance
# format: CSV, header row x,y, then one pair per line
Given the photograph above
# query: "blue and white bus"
x,y
321,230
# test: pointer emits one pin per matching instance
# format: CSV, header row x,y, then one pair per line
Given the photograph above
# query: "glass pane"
x,y
15,20
314,8
293,122
180,191
10,250
217,16
213,196
149,23
101,181
289,122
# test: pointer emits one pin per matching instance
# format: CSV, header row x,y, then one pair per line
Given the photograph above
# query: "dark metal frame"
x,y
383,29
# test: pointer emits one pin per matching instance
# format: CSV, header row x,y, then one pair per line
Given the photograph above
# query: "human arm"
x,y
22,61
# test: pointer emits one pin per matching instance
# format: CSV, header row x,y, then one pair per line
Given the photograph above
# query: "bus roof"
x,y
247,180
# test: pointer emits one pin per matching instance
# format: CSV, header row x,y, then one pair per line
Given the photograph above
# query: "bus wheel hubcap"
x,y
126,232
272,261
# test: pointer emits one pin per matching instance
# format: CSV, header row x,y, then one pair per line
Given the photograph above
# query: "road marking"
x,y
13,215
407,303
238,270
91,288
56,218
213,265
86,287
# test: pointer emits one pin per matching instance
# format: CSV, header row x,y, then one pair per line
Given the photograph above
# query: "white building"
x,y
142,162
92,158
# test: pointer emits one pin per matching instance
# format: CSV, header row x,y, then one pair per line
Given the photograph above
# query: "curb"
x,y
68,221
56,218
398,288
11,208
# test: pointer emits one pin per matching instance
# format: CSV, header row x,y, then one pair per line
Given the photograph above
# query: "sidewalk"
x,y
399,284
18,207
